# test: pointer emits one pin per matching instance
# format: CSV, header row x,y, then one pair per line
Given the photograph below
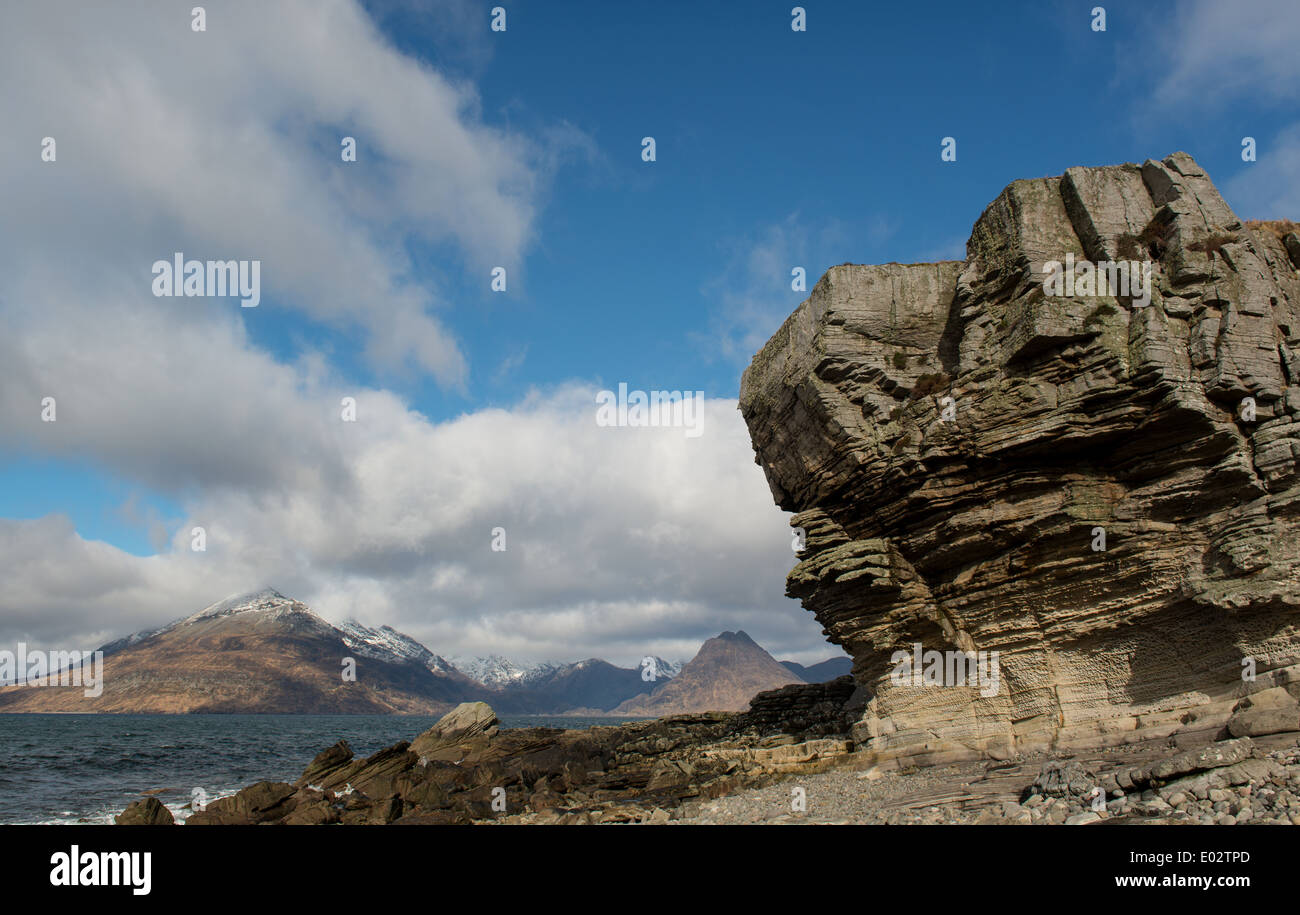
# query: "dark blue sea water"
x,y
86,768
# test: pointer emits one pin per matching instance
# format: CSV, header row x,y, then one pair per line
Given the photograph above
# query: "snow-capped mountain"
x,y
264,618
261,653
666,670
268,601
387,644
133,639
496,672
382,644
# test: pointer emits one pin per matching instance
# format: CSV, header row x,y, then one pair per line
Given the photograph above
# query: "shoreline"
x,y
754,767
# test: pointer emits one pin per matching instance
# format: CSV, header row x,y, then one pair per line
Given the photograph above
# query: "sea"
x,y
87,768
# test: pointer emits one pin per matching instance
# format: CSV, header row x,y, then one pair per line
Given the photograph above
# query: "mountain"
x,y
259,653
821,672
726,673
266,653
592,686
387,644
496,672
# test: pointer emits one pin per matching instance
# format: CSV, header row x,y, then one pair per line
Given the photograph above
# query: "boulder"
x,y
378,775
1098,489
1259,722
263,802
466,721
148,811
317,811
1058,778
327,763
1270,711
1218,755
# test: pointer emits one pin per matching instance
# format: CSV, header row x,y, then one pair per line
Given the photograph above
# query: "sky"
x,y
519,149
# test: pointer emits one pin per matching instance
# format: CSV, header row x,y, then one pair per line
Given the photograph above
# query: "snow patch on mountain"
x,y
497,672
266,599
666,670
387,644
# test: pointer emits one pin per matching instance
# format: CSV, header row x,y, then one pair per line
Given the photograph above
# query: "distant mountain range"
x,y
496,672
266,653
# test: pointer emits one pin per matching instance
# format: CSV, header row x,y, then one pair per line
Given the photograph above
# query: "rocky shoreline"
x,y
1262,787
788,759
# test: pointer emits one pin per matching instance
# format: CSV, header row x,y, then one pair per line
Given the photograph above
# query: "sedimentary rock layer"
x,y
954,441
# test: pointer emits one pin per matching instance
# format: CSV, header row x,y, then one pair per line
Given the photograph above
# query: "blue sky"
x,y
775,149
833,133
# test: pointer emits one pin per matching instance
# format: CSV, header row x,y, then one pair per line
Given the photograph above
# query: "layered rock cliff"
x,y
1103,493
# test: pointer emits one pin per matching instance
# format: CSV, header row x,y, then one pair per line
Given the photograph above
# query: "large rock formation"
x,y
975,523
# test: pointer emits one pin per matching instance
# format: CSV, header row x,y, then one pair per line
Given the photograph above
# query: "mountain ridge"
x,y
263,652
259,652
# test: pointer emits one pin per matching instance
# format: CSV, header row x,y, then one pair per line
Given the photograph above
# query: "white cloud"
x,y
620,541
1210,55
226,144
1214,52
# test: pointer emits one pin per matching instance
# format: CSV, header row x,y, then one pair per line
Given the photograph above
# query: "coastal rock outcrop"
x,y
463,723
1097,494
805,709
148,811
465,769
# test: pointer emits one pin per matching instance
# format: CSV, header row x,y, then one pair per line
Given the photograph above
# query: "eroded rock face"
x,y
806,710
972,523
